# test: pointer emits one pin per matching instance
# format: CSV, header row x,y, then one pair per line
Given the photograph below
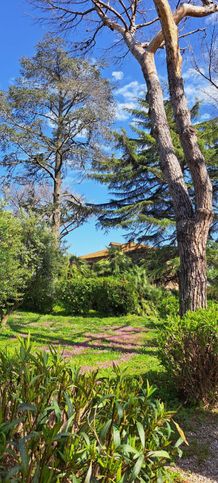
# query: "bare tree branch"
x,y
185,10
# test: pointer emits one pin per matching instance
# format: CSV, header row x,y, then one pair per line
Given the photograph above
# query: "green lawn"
x,y
90,342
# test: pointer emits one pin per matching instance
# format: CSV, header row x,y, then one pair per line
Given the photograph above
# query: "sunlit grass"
x,y
69,333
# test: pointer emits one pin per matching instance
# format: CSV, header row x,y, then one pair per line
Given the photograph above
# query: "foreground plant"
x,y
189,352
60,425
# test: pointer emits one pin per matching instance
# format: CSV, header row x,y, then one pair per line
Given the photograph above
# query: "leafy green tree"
x,y
141,200
52,122
46,260
15,265
29,264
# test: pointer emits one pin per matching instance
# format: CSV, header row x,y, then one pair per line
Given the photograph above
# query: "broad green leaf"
x,y
159,454
105,429
89,474
137,467
141,433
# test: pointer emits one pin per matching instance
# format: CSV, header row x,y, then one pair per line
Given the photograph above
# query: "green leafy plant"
x,y
115,296
108,295
15,264
76,295
189,352
168,304
59,425
46,259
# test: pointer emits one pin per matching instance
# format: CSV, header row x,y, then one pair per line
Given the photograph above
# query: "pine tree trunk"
x,y
192,226
58,168
192,234
192,240
56,219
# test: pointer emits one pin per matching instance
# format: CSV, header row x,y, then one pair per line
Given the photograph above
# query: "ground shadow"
x,y
100,341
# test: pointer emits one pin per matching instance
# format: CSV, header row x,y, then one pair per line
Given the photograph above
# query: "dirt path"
x,y
200,460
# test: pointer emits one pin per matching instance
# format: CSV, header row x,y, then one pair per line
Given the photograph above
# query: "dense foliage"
x,y
60,425
29,259
107,295
40,294
189,352
15,263
115,296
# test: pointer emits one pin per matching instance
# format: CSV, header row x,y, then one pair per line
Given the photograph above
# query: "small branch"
x,y
146,24
191,33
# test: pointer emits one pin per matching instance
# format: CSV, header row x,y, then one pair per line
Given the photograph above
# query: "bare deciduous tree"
x,y
132,21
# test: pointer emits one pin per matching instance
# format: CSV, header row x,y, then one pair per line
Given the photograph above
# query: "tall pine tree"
x,y
52,122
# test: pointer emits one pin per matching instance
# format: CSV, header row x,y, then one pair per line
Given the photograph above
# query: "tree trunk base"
x,y
192,239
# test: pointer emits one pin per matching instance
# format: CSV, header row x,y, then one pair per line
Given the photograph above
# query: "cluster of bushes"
x,y
120,295
107,295
189,353
60,425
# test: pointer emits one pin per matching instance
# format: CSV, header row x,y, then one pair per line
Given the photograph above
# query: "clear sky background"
x,y
19,33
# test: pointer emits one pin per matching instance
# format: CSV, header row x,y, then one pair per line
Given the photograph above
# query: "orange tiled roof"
x,y
100,253
125,247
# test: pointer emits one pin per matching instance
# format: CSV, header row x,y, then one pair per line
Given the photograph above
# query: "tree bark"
x,y
161,131
194,157
192,240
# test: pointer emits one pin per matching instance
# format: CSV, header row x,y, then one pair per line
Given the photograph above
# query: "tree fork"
x,y
192,238
187,134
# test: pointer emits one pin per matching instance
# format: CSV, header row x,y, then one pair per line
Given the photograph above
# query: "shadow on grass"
x,y
93,314
91,342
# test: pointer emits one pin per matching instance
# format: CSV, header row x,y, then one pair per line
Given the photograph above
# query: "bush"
x,y
168,305
15,264
114,296
109,295
59,425
147,294
189,352
76,295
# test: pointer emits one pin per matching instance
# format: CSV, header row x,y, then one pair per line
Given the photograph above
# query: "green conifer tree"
x,y
140,201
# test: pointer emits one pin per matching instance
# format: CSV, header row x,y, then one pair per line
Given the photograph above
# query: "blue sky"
x,y
19,34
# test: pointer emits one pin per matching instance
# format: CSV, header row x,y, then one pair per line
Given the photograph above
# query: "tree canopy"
x,y
53,119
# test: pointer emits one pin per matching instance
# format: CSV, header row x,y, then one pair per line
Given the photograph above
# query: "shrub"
x,y
109,295
45,259
59,425
168,304
15,267
115,296
147,294
189,352
76,295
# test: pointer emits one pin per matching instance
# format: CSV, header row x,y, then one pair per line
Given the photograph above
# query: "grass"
x,y
86,341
